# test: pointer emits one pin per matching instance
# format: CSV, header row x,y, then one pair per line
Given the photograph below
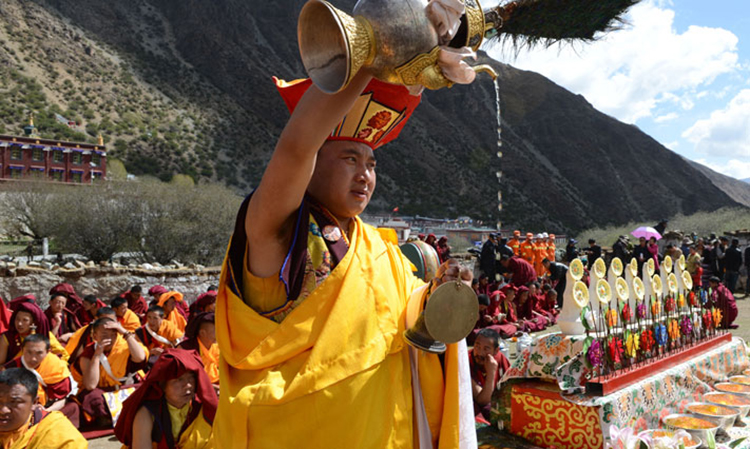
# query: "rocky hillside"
x,y
184,86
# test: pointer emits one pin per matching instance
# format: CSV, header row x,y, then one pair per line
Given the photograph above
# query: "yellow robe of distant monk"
x,y
129,321
336,371
54,431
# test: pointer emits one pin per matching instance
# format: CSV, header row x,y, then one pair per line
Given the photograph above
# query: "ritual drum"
x,y
424,257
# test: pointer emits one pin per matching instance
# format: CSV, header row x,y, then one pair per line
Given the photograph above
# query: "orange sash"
x,y
52,370
210,359
130,321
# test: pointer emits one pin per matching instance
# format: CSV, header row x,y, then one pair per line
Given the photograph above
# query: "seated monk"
x,y
506,318
62,321
539,298
550,300
206,302
89,306
27,319
136,302
155,293
483,320
723,299
23,425
84,337
173,408
51,373
74,301
158,334
168,301
114,360
529,320
486,362
125,316
200,336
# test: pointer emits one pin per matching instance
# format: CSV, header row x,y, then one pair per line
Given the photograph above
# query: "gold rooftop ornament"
x,y
395,41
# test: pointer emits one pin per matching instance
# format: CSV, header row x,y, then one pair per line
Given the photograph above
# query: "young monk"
x,y
51,373
507,323
173,408
125,316
206,302
158,334
24,425
27,319
529,320
115,360
200,336
136,302
168,301
541,307
155,293
87,313
62,321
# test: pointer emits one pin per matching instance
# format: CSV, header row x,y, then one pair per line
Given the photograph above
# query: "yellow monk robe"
x,y
54,347
52,371
336,371
174,317
118,361
53,431
166,330
74,339
129,321
210,357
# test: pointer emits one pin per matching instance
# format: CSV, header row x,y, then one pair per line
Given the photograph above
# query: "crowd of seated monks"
x,y
146,369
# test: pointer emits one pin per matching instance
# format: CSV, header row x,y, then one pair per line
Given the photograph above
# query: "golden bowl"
x,y
697,427
725,416
737,402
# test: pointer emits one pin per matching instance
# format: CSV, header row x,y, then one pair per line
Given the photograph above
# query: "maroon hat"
x,y
157,290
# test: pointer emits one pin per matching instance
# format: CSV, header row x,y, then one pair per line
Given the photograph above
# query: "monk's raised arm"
x,y
270,214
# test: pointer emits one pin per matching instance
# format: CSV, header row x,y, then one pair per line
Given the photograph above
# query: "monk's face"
x,y
210,308
510,296
532,289
120,310
344,178
169,305
207,333
180,391
34,353
57,304
483,348
89,307
154,320
23,323
15,406
105,337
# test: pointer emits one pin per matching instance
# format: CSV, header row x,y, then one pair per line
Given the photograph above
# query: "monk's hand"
x,y
451,270
116,326
490,365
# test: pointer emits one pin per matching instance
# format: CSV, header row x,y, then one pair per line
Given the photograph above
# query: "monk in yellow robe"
x,y
312,302
200,336
174,407
84,336
158,334
125,316
168,301
27,319
27,426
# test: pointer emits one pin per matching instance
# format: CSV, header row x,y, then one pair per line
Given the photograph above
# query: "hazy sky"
x,y
679,71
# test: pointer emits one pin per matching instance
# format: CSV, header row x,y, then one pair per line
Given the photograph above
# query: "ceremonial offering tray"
x,y
732,388
697,427
742,380
724,416
739,403
691,442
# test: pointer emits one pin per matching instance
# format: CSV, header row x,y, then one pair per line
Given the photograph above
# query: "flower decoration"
x,y
587,318
660,334
647,340
625,438
674,330
616,350
686,325
632,344
717,317
611,318
681,300
594,355
707,320
693,299
670,304
640,310
704,297
626,313
655,307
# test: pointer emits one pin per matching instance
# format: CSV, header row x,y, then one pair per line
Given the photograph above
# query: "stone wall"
x,y
104,281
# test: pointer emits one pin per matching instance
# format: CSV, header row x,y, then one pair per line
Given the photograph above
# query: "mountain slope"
x,y
738,190
194,77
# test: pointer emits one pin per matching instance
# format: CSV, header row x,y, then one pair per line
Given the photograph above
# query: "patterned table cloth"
x,y
553,357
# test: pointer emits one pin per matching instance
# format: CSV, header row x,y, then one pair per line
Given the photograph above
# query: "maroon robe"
x,y
74,301
478,376
723,299
14,339
54,392
203,301
85,317
138,306
5,314
69,323
532,323
523,271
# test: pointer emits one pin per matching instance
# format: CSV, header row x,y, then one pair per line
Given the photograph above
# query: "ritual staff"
x,y
168,301
158,334
173,408
136,302
540,252
125,316
24,425
62,321
200,336
528,318
115,360
515,243
84,337
51,373
90,305
311,305
526,249
206,302
27,319
155,292
487,365
723,299
519,270
551,248
74,301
